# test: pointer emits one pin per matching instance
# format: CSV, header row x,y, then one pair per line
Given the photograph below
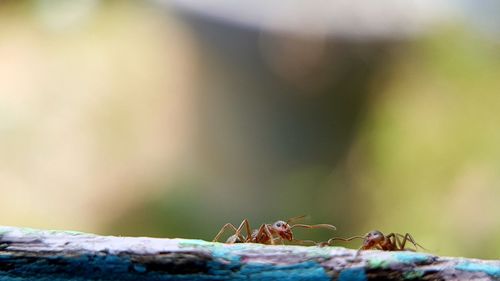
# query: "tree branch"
x,y
28,254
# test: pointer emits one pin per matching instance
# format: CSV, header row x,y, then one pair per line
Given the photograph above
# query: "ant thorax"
x,y
260,236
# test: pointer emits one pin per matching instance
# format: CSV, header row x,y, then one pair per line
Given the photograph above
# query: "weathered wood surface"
x,y
27,254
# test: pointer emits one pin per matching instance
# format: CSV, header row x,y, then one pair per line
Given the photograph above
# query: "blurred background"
x,y
171,118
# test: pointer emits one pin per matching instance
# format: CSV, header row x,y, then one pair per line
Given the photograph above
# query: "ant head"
x,y
373,238
283,229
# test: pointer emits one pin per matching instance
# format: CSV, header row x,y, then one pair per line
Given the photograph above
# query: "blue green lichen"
x,y
34,231
353,274
379,263
412,258
226,261
399,258
490,269
414,274
300,271
196,243
319,252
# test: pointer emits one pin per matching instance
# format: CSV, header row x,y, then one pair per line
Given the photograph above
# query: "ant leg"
x,y
400,245
403,242
412,240
358,252
236,230
258,238
394,243
278,240
245,224
223,229
268,232
408,237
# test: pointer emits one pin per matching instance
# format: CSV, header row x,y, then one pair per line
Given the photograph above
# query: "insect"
x,y
277,232
378,241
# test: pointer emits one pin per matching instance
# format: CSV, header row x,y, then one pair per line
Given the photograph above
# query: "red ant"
x,y
378,241
279,231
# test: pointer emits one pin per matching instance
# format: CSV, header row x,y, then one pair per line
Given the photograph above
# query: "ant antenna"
x,y
297,218
345,239
327,226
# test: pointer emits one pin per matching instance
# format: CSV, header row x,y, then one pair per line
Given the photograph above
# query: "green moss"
x,y
416,274
379,263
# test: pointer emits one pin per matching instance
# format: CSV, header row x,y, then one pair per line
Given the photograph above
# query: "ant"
x,y
378,241
279,231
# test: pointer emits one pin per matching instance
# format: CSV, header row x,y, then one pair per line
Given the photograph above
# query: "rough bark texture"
x,y
27,254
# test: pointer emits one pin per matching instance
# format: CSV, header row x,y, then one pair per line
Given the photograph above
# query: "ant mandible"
x,y
376,240
279,231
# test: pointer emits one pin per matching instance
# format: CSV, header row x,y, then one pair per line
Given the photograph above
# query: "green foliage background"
x,y
159,154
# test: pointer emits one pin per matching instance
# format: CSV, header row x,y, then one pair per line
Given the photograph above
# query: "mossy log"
x,y
28,254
